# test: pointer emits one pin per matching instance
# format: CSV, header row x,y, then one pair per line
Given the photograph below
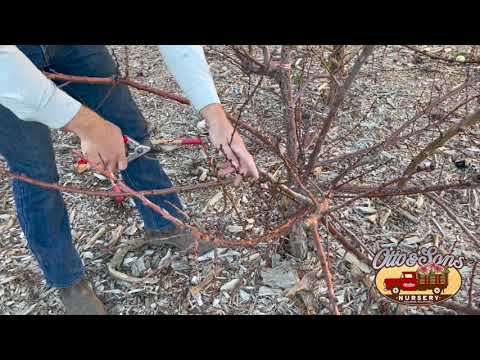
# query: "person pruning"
x,y
31,105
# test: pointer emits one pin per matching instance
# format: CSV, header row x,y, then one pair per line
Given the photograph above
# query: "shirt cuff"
x,y
60,109
200,98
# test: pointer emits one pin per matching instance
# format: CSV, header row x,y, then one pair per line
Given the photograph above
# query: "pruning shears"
x,y
135,150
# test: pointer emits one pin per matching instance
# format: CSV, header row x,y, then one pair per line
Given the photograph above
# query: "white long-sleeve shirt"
x,y
31,96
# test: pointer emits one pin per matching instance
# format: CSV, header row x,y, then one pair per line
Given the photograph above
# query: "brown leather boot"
x,y
81,299
178,238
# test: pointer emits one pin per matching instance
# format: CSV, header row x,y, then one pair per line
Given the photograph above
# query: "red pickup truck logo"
x,y
416,281
402,279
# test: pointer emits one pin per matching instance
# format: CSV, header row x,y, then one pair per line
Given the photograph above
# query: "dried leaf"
x,y
100,177
230,285
317,171
283,277
95,237
234,228
372,218
131,230
352,259
213,200
420,201
412,240
306,284
116,235
365,210
384,217
204,174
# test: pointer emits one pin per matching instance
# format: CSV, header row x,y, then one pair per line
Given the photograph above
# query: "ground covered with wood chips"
x,y
265,279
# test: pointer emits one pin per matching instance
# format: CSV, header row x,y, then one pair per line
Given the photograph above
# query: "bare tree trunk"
x,y
297,239
289,106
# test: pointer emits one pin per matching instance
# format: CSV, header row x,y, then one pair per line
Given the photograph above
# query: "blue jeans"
x,y
27,148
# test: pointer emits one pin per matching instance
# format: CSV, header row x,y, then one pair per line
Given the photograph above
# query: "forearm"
x,y
26,92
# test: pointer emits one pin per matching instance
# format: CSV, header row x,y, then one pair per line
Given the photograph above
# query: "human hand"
x,y
101,141
221,130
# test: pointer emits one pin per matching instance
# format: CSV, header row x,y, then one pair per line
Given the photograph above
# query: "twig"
x,y
352,235
372,191
313,224
394,137
346,244
74,190
434,57
467,122
113,81
336,101
472,278
249,98
454,217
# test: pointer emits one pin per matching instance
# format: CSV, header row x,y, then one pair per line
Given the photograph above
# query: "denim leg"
x,y
120,109
42,214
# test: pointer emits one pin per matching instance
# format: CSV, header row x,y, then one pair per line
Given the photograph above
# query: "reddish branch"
x,y
366,191
272,234
217,241
313,223
113,81
75,190
289,106
332,230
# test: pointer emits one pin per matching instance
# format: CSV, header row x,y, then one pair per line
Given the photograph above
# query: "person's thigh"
x,y
28,150
27,147
114,103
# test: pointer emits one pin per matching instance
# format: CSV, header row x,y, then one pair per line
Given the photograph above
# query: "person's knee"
x,y
122,110
146,173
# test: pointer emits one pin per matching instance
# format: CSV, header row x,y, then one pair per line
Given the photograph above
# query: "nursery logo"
x,y
417,278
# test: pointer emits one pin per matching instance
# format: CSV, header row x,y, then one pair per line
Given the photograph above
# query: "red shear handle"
x,y
194,141
125,139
